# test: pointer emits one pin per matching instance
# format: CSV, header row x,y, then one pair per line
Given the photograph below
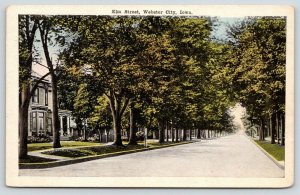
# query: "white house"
x,y
40,113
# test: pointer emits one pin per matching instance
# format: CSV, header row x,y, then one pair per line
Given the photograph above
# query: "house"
x,y
40,113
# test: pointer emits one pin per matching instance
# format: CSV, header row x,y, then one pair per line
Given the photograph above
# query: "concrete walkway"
x,y
230,156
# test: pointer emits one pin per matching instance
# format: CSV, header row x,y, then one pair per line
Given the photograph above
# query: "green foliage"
x,y
276,151
44,146
35,159
259,65
169,69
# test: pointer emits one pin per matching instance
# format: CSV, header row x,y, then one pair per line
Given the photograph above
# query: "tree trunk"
x,y
133,128
117,111
172,134
161,129
167,132
184,135
55,124
272,128
262,130
23,124
204,134
176,134
25,97
117,130
198,134
100,136
282,118
107,135
277,127
190,134
84,131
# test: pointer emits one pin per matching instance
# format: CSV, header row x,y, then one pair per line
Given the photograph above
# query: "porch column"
x,y
68,125
61,126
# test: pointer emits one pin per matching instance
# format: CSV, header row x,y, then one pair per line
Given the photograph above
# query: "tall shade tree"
x,y
28,26
259,77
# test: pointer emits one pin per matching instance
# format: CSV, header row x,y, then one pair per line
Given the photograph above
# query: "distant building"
x,y
40,113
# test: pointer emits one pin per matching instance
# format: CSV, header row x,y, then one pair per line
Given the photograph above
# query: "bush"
x,y
140,135
39,139
94,138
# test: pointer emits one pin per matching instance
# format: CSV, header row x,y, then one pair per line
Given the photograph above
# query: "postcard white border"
x,y
12,178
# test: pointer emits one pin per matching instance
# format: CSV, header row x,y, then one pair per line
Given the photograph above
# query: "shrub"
x,y
39,139
140,135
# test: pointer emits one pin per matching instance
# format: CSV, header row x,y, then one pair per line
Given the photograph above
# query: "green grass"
x,y
35,159
273,149
64,144
90,151
99,150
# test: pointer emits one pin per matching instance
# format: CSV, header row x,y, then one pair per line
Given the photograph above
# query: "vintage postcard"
x,y
150,96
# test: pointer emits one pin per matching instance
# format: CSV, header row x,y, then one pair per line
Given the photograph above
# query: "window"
x,y
46,97
35,97
34,122
41,121
49,125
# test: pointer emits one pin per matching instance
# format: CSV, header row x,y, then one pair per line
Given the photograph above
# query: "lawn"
x,y
90,151
35,159
273,149
64,144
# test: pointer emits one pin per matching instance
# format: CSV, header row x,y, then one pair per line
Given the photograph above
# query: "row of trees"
x,y
157,70
151,72
258,73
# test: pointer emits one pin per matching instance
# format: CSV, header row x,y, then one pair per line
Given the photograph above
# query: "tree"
x,y
28,26
100,118
83,106
46,27
260,68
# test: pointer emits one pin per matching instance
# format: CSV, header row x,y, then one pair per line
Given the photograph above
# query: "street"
x,y
230,156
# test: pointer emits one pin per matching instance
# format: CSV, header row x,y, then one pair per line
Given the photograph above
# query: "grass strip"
x,y
274,150
64,144
100,150
35,159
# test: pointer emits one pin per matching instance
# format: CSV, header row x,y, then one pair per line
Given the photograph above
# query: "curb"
x,y
268,155
85,159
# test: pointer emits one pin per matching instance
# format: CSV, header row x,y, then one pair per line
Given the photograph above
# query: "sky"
x,y
220,30
238,112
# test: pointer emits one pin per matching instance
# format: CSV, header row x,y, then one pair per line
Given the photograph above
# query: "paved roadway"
x,y
230,156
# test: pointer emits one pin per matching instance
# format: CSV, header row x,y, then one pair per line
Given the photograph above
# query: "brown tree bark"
x,y
277,127
23,124
161,138
24,99
282,119
198,134
172,134
184,135
272,128
208,134
117,110
100,136
56,125
133,128
107,135
190,132
176,134
262,130
167,132
44,31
